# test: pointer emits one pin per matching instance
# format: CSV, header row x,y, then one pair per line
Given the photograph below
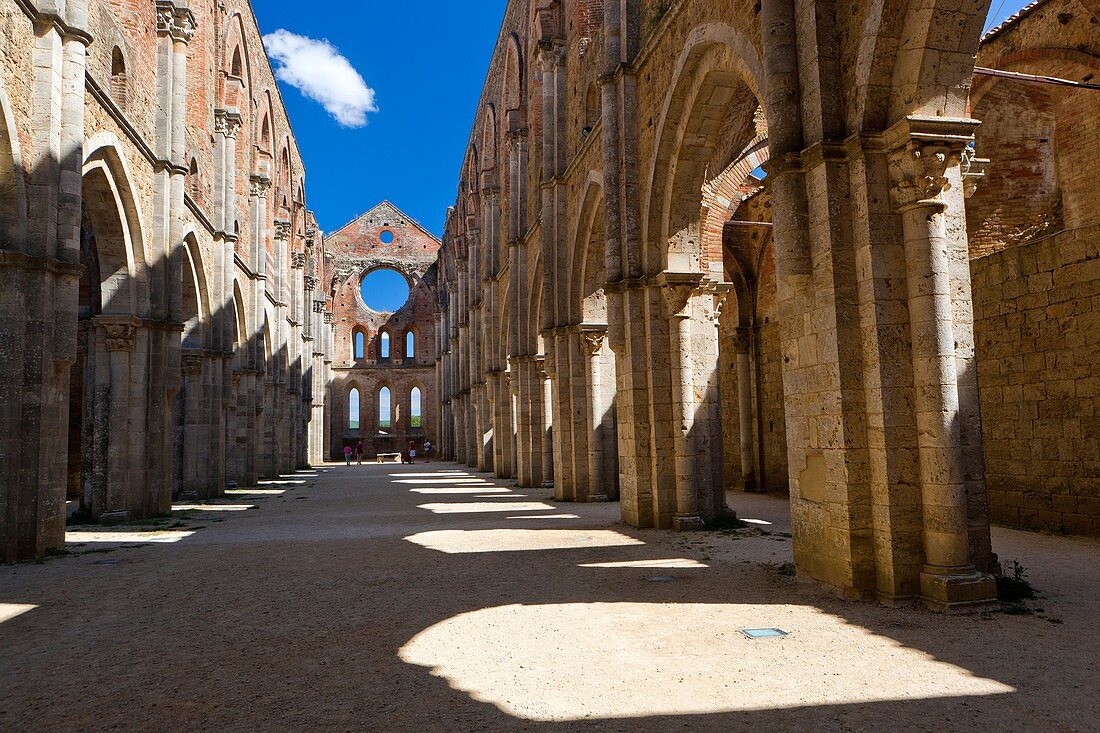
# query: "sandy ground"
x,y
427,598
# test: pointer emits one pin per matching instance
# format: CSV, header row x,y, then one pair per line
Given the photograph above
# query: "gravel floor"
x,y
429,598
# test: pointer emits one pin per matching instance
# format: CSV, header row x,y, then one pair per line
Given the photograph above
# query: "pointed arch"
x,y
112,216
719,70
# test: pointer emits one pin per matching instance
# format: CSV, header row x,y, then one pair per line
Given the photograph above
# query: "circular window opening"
x,y
386,237
384,290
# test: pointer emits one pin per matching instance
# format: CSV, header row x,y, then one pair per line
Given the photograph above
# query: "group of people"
x,y
407,456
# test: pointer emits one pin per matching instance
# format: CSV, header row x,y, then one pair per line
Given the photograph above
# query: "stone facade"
x,y
604,273
362,361
161,333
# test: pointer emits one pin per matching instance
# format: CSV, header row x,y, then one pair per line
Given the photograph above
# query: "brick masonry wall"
x,y
1037,321
353,251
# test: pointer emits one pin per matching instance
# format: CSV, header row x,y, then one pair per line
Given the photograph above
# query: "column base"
x,y
597,498
688,523
956,590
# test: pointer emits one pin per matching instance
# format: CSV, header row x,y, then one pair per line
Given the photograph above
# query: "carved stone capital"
x,y
297,259
973,170
318,306
177,22
191,362
119,336
922,151
677,289
282,229
309,283
259,185
227,122
329,318
592,339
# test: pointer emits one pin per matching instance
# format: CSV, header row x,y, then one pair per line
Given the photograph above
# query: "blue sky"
x,y
426,62
423,65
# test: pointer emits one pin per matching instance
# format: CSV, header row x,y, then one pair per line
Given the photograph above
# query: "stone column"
x,y
196,460
592,340
118,337
743,341
679,291
924,158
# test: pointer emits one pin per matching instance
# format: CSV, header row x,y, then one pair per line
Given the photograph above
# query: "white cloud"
x,y
318,70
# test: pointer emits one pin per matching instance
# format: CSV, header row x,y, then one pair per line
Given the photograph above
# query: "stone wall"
x,y
1037,319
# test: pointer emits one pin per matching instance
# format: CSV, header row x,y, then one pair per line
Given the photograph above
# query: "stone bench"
x,y
383,456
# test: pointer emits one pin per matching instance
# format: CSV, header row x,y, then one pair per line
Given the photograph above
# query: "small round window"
x,y
386,237
384,290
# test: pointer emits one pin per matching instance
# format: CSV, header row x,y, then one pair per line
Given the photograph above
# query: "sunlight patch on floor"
x,y
463,490
459,541
548,516
484,507
453,481
655,659
280,482
433,474
212,507
254,492
8,611
122,537
675,562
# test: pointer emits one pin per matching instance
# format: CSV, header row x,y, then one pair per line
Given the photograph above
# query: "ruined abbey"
x,y
749,383
697,247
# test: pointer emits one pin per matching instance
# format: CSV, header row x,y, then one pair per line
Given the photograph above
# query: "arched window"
x,y
353,409
193,186
385,409
410,345
118,77
236,68
416,415
360,345
385,349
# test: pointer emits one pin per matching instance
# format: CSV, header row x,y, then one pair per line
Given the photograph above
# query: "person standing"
x,y
359,453
347,454
412,452
427,451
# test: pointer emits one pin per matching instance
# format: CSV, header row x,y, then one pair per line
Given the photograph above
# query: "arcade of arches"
x,y
698,245
702,246
163,332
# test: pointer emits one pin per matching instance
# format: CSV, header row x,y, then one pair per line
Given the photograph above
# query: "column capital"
x,y
259,185
119,333
227,122
297,259
973,170
282,229
309,283
677,288
176,21
592,338
922,150
191,362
